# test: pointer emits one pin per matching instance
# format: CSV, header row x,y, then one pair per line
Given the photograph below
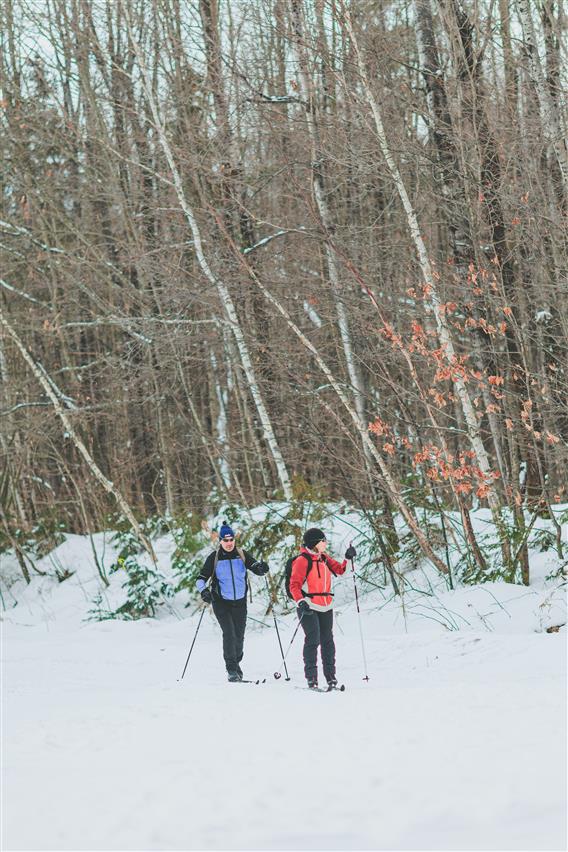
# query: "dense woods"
x,y
290,248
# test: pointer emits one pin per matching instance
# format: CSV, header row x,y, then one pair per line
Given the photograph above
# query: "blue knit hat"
x,y
225,529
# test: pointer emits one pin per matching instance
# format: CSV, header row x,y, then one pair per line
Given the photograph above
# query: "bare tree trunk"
x,y
444,333
56,398
551,123
319,190
11,483
107,289
222,289
360,426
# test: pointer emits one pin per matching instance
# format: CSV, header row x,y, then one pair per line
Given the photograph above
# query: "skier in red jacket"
x,y
310,586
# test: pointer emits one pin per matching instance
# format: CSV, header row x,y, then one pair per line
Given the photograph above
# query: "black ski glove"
x,y
302,608
350,553
259,567
206,596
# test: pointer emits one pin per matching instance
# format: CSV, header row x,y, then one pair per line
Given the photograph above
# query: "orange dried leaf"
x,y
463,487
378,427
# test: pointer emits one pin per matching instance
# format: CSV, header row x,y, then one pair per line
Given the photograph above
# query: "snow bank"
x,y
457,741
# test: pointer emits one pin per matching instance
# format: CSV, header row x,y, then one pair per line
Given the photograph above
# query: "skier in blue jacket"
x,y
227,569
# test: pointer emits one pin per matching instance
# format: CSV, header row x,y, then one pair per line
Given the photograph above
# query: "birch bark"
x,y
549,116
427,273
220,286
319,190
56,397
390,483
360,426
456,220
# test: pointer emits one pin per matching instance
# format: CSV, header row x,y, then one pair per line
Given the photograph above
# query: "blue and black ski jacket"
x,y
230,580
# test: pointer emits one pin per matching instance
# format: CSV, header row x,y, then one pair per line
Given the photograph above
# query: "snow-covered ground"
x,y
458,740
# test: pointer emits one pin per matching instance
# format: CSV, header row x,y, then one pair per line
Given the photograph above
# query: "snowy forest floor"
x,y
458,741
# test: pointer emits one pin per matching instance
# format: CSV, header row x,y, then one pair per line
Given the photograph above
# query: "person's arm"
x,y
335,566
257,566
298,576
206,572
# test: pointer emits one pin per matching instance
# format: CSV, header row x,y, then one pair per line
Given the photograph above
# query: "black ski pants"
x,y
318,627
232,616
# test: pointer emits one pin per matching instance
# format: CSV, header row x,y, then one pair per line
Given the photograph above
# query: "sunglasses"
x,y
228,538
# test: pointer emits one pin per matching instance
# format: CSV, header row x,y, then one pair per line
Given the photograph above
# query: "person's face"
x,y
228,543
321,546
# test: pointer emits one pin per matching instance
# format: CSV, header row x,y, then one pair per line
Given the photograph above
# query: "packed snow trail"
x,y
457,742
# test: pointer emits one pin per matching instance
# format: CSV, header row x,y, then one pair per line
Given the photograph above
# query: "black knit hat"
x,y
312,537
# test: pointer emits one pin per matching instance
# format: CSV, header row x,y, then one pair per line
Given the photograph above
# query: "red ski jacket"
x,y
315,585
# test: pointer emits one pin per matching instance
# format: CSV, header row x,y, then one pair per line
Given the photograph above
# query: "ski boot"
x,y
312,683
234,677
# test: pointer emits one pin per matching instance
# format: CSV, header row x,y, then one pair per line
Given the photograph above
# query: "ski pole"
x,y
278,674
277,632
193,643
359,614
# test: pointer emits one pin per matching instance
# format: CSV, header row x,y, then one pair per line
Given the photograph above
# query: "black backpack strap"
x,y
310,562
317,594
289,565
329,568
308,559
243,556
212,579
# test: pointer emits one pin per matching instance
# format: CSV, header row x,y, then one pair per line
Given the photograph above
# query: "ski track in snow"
x,y
457,741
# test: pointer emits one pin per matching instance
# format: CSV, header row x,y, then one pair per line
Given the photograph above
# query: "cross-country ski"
x,y
322,688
